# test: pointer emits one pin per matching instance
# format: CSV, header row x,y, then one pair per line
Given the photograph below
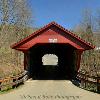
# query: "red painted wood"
x,y
42,35
44,38
52,31
26,59
79,53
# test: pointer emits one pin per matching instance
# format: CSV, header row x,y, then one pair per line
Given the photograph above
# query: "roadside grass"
x,y
11,89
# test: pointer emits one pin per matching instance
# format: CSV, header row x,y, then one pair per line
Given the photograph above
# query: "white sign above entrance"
x,y
53,40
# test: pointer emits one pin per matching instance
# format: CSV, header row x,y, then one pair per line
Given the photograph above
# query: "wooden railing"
x,y
88,82
13,81
85,81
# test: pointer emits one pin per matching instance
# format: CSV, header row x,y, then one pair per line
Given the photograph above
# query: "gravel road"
x,y
49,90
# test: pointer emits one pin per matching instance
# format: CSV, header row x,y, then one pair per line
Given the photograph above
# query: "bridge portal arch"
x,y
52,39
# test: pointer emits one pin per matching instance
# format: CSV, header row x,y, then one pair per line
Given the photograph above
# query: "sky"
x,y
67,13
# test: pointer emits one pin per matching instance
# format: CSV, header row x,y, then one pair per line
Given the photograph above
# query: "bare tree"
x,y
90,58
15,18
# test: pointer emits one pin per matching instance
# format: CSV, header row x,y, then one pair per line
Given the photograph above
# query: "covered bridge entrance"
x,y
52,52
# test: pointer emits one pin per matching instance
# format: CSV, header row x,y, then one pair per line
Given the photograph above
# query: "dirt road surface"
x,y
49,90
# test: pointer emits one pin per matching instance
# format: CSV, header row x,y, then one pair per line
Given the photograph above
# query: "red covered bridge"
x,y
52,39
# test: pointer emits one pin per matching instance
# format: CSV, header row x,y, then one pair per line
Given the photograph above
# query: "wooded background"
x,y
16,17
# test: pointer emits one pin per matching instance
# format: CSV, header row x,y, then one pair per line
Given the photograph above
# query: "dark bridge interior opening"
x,y
65,69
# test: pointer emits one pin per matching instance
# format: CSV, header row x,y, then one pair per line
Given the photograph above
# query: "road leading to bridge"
x,y
49,90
